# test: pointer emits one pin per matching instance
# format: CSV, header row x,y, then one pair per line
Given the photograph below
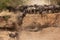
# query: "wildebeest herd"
x,y
36,8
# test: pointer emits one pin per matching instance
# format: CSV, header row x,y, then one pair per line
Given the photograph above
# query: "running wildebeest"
x,y
36,8
22,8
46,8
57,8
41,9
52,8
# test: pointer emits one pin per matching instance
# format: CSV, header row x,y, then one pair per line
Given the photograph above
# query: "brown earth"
x,y
34,26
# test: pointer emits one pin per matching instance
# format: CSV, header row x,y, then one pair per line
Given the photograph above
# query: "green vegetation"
x,y
13,3
3,4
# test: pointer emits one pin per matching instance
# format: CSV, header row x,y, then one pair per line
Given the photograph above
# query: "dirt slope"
x,y
34,26
50,30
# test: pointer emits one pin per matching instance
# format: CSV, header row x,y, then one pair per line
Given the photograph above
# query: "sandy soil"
x,y
49,26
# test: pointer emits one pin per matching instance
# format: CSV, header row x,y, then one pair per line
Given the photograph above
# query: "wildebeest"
x,y
35,8
10,8
29,10
54,8
22,8
57,8
46,8
40,8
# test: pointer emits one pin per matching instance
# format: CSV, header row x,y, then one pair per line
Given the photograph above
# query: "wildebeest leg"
x,y
32,11
40,11
36,10
47,11
28,11
52,10
56,10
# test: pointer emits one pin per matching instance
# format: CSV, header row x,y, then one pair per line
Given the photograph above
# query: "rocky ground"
x,y
33,26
